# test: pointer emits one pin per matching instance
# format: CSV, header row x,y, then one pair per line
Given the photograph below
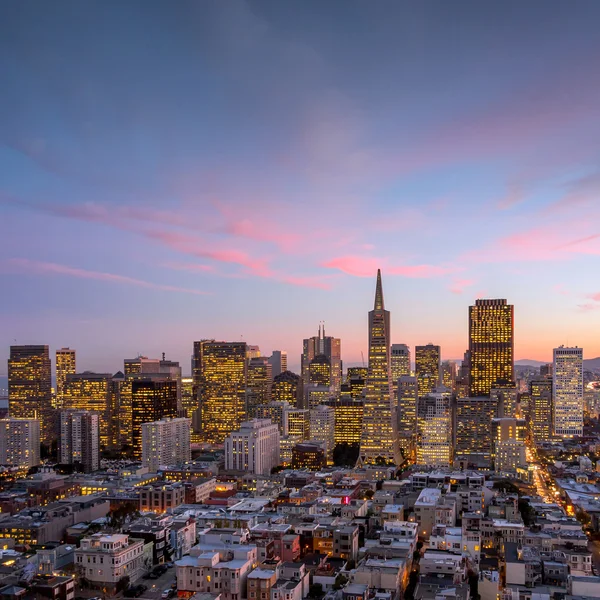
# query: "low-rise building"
x,y
160,497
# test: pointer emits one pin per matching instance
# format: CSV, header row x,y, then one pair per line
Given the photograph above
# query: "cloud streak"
x,y
359,266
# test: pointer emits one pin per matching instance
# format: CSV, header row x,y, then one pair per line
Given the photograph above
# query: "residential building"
x,y
567,386
30,388
427,368
379,440
491,345
254,448
79,442
182,535
160,497
166,443
154,530
20,442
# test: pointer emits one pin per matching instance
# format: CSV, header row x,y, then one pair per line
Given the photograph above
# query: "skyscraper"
x,y
166,443
20,442
322,429
434,429
379,440
567,382
348,419
491,345
30,388
506,396
329,347
65,365
253,448
79,442
449,374
540,409
407,414
399,362
260,381
473,427
427,368
279,362
222,392
287,387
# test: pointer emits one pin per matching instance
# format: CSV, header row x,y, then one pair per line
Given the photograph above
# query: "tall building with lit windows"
x,y
491,345
379,440
322,429
407,415
30,388
166,443
508,444
79,442
222,391
152,399
541,415
506,396
90,392
287,387
254,448
434,429
20,442
356,379
567,382
298,422
259,384
399,362
348,419
319,346
449,374
65,365
473,425
427,368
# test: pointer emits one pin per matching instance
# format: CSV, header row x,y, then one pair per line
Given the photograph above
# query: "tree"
x,y
340,581
315,591
527,512
345,455
506,486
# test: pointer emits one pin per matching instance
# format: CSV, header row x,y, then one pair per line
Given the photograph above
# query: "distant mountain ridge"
x,y
589,364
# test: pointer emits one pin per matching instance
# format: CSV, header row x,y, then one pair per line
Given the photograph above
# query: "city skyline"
x,y
199,187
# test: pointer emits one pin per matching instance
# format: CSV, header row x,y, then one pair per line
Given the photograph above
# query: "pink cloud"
x,y
47,268
514,195
458,285
360,266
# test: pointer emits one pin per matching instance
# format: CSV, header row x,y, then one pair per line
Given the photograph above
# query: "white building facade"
x,y
254,448
166,443
20,442
568,391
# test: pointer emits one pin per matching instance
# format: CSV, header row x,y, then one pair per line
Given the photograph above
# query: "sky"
x,y
173,171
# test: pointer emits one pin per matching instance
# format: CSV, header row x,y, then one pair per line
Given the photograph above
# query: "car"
x,y
166,594
129,592
170,565
153,575
160,569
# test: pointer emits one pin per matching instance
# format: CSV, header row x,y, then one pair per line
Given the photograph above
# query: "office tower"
x,y
189,402
463,380
449,374
252,352
546,370
491,344
323,346
222,391
379,440
287,387
260,381
356,379
434,429
79,442
541,418
427,368
318,389
90,392
30,388
399,362
20,442
508,437
277,413
279,362
322,429
308,456
141,364
152,399
567,382
348,419
65,365
473,426
286,445
407,394
254,448
119,410
506,396
166,443
298,422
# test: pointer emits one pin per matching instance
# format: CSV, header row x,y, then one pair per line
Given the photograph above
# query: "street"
x,y
156,586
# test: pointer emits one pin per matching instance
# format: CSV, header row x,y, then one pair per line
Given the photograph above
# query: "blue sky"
x,y
176,171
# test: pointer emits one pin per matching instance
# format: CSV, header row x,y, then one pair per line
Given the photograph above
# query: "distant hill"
x,y
589,364
592,364
527,362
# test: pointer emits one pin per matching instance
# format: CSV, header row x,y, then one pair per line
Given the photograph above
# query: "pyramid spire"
x,y
379,292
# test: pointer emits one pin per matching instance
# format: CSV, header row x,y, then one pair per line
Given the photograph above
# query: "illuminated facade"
x,y
508,444
434,429
507,398
322,429
254,448
308,456
567,381
379,440
166,443
348,419
399,362
20,442
287,387
152,399
65,365
322,346
222,389
407,415
473,427
298,422
277,413
356,379
540,410
79,442
491,345
449,374
427,368
260,381
90,392
30,388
